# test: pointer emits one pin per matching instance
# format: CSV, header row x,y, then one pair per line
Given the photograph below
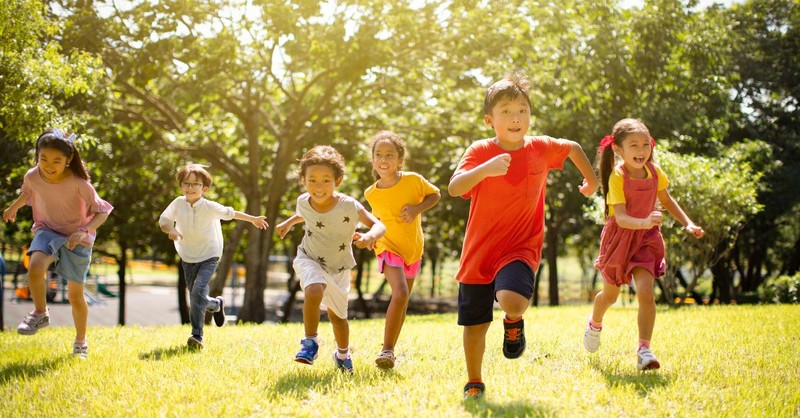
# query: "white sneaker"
x,y
34,322
80,351
646,360
591,338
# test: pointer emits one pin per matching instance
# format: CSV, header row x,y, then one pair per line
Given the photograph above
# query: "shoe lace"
x,y
512,334
473,392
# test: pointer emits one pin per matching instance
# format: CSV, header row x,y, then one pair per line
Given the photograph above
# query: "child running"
x,y
505,178
397,198
193,222
325,256
66,214
631,244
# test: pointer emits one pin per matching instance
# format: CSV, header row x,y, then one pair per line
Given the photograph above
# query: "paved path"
x,y
145,305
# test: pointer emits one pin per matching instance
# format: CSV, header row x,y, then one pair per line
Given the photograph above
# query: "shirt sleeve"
x,y
558,150
94,204
226,213
428,187
168,216
468,161
663,180
616,196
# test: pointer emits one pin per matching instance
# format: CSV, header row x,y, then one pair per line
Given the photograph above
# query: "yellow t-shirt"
x,y
616,196
403,239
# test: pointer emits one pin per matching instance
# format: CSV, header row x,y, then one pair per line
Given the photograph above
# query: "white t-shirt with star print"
x,y
329,236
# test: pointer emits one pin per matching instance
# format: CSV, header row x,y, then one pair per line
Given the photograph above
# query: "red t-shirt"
x,y
506,214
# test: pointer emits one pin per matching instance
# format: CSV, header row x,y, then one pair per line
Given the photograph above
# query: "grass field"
x,y
717,361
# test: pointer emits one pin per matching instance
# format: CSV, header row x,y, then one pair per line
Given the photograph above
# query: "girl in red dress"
x,y
631,245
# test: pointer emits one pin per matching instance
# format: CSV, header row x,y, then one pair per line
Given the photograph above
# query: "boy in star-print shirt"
x,y
325,256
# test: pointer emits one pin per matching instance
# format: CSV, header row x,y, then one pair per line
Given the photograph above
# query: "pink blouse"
x,y
63,207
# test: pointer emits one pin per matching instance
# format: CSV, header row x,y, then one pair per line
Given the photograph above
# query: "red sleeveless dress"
x,y
622,249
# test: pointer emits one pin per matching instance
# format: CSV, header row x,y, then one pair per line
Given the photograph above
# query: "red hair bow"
x,y
605,142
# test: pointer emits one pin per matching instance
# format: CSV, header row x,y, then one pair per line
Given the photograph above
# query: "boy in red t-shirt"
x,y
505,177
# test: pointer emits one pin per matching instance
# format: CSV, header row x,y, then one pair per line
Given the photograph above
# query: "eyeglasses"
x,y
187,185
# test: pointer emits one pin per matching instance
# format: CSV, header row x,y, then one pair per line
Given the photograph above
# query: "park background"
x,y
247,86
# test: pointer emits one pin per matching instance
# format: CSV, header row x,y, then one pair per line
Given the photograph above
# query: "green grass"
x,y
717,361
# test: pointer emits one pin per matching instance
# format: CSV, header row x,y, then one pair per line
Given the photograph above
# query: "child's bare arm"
x,y
284,227
410,212
376,230
259,222
590,182
10,214
462,183
97,220
629,222
675,210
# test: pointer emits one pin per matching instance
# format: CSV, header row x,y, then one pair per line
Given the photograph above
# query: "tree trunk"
x,y
722,280
362,256
217,285
122,263
536,281
183,304
232,243
793,264
552,259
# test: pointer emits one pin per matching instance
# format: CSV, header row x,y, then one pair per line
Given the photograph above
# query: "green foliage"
x,y
717,194
247,370
783,289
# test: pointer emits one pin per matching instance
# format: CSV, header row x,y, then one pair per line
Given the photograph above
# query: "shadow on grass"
x,y
24,370
165,353
301,381
642,382
484,408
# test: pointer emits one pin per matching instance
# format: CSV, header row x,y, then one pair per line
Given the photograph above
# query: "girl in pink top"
x,y
631,245
66,214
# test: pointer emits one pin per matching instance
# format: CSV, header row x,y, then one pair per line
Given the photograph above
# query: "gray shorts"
x,y
72,265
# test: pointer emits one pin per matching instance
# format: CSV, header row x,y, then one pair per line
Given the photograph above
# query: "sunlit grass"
x,y
717,361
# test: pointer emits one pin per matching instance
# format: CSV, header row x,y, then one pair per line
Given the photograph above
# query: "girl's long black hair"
x,y
57,139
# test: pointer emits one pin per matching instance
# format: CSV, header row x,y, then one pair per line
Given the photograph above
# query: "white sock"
x,y
342,353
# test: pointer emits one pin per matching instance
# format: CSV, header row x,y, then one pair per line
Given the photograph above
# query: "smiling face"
x,y
510,120
53,164
320,182
635,151
192,187
386,160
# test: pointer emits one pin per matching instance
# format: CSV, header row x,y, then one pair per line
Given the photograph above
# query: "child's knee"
x,y
314,290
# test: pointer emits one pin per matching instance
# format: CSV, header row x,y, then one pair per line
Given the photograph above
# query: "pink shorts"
x,y
394,260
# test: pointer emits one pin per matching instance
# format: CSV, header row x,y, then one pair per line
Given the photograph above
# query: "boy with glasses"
x,y
193,222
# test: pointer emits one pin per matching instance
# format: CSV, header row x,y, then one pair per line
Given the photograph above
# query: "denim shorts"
x,y
476,301
72,265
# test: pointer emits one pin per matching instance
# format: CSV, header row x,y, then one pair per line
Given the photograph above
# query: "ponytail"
x,y
605,163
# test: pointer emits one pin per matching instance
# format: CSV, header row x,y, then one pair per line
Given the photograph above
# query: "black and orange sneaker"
x,y
513,338
474,390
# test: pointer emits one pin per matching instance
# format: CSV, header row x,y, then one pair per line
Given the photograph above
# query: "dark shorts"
x,y
476,301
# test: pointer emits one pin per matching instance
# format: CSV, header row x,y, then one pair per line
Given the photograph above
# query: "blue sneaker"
x,y
308,351
345,365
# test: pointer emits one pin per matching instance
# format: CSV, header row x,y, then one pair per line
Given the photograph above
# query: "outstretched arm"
x,y
675,210
376,230
10,214
590,182
259,222
284,227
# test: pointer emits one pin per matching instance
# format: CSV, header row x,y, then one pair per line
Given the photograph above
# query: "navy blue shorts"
x,y
476,301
